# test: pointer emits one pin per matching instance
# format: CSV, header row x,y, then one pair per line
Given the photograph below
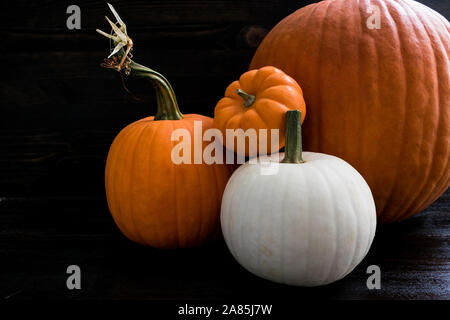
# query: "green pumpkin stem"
x,y
165,96
249,99
293,150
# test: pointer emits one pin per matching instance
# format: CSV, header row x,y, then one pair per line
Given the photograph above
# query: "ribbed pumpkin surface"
x,y
274,93
377,98
309,224
156,202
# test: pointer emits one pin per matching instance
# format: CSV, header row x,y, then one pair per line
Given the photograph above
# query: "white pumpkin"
x,y
308,224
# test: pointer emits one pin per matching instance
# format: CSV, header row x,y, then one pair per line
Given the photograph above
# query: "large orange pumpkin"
x,y
378,98
153,200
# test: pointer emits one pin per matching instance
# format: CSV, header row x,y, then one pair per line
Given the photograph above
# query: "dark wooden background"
x,y
60,111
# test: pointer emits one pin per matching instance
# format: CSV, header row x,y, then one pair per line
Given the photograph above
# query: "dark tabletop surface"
x,y
41,237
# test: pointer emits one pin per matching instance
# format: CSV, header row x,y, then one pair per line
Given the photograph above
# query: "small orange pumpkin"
x,y
153,200
258,100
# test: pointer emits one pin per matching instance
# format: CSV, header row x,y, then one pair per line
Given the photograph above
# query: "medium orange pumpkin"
x,y
258,100
152,200
377,98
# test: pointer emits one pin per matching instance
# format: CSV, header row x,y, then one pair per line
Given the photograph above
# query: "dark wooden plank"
x,y
40,237
177,24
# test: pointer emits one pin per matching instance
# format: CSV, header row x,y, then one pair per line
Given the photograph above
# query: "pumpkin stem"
x,y
165,96
249,99
293,150
120,59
